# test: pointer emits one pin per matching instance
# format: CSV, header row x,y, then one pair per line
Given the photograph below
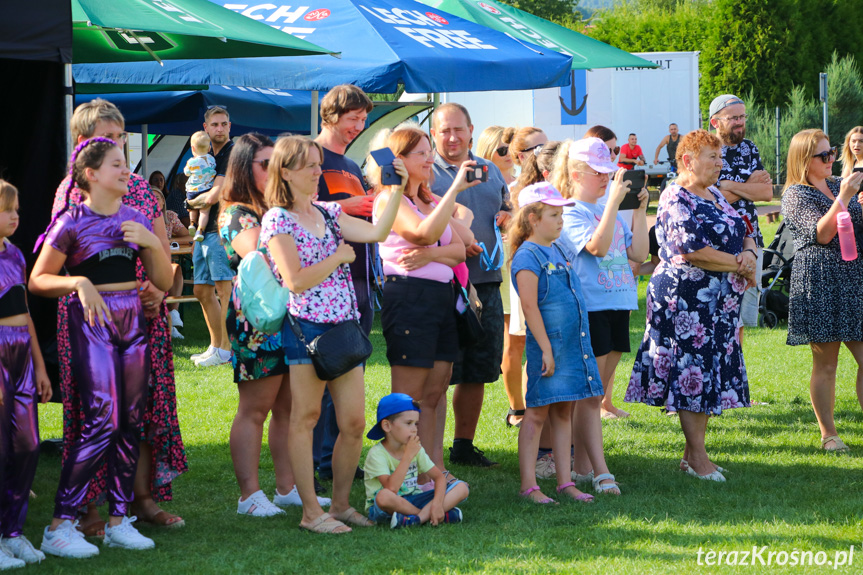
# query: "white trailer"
x,y
643,101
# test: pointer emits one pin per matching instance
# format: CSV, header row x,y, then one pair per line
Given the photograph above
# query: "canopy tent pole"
x,y
69,99
314,127
144,141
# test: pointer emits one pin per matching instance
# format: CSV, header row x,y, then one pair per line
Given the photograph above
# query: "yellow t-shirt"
x,y
379,462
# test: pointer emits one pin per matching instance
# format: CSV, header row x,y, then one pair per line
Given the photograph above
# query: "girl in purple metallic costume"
x,y
23,382
99,242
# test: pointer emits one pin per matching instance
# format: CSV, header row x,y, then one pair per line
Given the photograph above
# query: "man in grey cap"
x,y
743,180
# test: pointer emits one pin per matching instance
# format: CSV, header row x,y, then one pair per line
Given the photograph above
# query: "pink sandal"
x,y
585,497
544,501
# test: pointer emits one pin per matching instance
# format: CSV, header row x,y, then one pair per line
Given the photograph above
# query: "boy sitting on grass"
x,y
393,465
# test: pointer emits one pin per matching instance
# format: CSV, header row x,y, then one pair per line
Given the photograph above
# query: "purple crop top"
x,y
13,300
94,245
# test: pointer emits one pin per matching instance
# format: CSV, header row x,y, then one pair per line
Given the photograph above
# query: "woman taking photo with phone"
x,y
305,243
826,290
852,151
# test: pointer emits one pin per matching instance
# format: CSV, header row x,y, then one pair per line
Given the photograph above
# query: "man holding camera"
x,y
489,201
743,181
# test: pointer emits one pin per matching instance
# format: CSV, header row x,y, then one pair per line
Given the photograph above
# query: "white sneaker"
x,y
125,536
257,505
293,498
545,468
67,541
176,320
175,333
9,562
199,237
192,229
20,548
219,357
206,353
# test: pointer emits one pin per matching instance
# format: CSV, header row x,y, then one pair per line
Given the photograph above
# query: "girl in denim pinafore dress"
x,y
561,367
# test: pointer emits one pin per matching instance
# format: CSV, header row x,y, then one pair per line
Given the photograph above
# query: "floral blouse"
x,y
331,301
233,220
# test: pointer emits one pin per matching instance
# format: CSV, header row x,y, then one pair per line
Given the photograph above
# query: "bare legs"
x,y
822,386
694,427
257,399
607,366
348,394
215,314
513,351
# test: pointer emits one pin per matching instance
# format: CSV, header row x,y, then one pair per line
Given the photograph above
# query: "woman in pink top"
x,y
418,313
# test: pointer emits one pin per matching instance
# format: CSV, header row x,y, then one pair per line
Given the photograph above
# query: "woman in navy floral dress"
x,y
690,359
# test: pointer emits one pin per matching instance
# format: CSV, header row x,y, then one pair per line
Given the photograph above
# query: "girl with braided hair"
x,y
99,243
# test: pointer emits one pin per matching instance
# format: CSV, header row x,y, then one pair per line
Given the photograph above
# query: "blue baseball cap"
x,y
390,405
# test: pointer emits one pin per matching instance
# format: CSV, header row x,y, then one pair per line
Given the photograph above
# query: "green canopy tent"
x,y
140,30
586,52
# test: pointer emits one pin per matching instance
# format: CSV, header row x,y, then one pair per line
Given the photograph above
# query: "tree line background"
x,y
769,52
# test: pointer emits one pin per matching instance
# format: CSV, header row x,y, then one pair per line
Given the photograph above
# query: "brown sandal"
x,y
164,519
93,529
354,517
326,523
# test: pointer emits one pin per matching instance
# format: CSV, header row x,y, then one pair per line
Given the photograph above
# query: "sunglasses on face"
x,y
827,156
264,163
615,150
502,151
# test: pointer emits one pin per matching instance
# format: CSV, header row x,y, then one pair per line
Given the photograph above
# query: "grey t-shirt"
x,y
485,201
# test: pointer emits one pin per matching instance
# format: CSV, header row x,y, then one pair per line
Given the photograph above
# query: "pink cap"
x,y
542,192
595,153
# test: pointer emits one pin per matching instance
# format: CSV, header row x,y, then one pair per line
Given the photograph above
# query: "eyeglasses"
x,y
593,174
740,118
119,138
264,163
827,156
424,154
502,151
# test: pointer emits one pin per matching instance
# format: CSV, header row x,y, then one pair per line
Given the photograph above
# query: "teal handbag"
x,y
262,298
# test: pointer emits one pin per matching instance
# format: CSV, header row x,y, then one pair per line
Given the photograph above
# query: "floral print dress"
x,y
690,358
256,354
161,427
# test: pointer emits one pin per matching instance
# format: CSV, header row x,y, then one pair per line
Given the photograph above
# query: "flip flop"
x,y
354,517
163,519
326,523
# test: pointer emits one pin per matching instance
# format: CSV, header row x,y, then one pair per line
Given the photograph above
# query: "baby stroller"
x,y
776,278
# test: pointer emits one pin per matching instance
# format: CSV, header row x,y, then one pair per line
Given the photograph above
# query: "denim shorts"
x,y
295,350
210,261
418,500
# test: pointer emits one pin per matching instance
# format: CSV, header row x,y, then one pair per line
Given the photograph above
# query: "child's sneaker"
x,y
400,520
454,515
199,237
66,541
175,333
545,468
293,498
257,505
9,562
192,230
21,548
125,536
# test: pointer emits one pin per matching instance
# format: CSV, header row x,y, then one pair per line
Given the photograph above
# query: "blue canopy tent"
x,y
383,43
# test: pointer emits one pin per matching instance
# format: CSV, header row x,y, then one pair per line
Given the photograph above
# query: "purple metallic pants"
x,y
111,365
19,428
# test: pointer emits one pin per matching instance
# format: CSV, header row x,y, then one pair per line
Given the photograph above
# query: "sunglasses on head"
x,y
502,151
532,148
827,156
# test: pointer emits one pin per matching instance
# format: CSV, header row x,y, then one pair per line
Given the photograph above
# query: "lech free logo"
x,y
316,15
437,18
489,8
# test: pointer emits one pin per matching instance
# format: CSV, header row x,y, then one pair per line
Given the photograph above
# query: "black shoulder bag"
x,y
345,345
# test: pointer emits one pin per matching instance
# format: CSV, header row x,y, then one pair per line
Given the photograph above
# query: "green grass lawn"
x,y
782,492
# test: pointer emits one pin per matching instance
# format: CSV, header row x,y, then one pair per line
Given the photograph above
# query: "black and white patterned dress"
x,y
826,291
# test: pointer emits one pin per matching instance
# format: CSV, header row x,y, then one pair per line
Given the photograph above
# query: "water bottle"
x,y
847,244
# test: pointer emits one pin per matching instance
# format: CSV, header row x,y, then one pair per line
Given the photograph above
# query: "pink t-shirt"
x,y
394,245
